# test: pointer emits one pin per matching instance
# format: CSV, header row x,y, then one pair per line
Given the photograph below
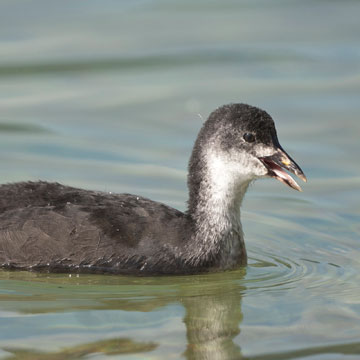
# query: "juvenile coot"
x,y
57,228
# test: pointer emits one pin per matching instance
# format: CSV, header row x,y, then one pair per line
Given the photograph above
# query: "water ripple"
x,y
268,271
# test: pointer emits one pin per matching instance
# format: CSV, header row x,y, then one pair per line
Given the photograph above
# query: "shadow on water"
x,y
7,127
107,347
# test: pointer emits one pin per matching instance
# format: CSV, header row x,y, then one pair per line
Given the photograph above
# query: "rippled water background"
x,y
107,95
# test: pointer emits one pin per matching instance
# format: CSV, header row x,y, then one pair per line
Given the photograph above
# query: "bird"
x,y
51,227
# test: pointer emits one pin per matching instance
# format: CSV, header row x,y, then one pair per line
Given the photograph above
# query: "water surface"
x,y
110,95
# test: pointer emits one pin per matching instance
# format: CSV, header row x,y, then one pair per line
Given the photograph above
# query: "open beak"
x,y
279,161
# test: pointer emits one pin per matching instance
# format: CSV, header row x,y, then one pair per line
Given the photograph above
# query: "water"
x,y
109,95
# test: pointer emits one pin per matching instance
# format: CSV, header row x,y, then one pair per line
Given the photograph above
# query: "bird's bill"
x,y
279,161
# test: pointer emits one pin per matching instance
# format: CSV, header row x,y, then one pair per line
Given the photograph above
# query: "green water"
x,y
109,95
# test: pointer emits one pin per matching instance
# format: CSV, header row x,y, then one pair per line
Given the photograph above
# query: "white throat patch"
x,y
228,176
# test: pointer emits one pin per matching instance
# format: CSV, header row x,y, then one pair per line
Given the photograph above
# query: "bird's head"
x,y
240,142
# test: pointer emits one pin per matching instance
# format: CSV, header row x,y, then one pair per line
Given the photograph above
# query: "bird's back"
x,y
59,228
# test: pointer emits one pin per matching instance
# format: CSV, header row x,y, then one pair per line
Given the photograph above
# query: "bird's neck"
x,y
217,189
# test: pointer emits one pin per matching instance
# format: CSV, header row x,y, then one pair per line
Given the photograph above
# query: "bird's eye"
x,y
249,137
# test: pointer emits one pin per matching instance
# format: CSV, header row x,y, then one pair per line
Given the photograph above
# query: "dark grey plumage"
x,y
48,226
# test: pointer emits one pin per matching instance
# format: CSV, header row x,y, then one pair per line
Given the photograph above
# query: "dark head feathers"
x,y
230,122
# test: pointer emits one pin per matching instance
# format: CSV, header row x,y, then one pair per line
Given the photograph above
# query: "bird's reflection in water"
x,y
212,322
212,317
